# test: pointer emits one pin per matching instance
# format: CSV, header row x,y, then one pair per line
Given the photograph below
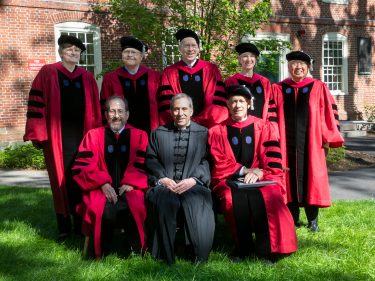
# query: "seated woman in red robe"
x,y
247,147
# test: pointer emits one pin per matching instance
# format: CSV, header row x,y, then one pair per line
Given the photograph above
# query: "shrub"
x,y
335,155
24,156
370,112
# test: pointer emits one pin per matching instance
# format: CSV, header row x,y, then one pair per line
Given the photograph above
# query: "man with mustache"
x,y
109,168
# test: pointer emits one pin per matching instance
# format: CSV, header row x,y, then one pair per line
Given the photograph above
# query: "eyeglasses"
x,y
112,112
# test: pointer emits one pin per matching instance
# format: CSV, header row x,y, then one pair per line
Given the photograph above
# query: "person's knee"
x,y
109,217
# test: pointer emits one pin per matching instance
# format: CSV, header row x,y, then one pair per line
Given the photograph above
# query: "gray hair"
x,y
111,98
181,96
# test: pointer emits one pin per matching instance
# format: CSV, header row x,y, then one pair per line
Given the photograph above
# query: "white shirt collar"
x,y
132,72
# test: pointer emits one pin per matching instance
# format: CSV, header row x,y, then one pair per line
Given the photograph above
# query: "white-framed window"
x,y
335,62
89,34
343,2
170,52
281,68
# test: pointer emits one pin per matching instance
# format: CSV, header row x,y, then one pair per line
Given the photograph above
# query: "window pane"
x,y
90,59
89,37
90,48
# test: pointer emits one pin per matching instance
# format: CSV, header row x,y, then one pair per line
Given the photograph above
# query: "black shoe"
x,y
298,223
313,226
62,237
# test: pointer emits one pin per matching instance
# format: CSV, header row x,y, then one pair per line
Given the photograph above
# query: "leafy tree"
x,y
219,23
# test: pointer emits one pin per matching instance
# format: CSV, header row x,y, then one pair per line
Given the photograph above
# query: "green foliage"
x,y
110,66
220,23
22,157
336,154
370,113
343,250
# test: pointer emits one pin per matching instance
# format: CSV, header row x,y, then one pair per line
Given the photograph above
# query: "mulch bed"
x,y
353,160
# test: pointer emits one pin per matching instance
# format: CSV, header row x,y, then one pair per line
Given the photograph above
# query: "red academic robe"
x,y
215,110
112,86
313,99
43,122
280,222
260,87
91,173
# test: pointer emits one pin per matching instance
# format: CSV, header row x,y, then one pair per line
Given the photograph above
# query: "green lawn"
x,y
343,250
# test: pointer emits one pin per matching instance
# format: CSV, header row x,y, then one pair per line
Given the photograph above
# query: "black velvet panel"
x,y
73,106
296,114
192,84
116,154
137,95
242,144
258,92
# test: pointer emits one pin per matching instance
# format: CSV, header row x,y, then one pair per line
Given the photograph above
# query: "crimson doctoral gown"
x,y
307,117
266,156
90,172
140,91
43,122
212,93
259,86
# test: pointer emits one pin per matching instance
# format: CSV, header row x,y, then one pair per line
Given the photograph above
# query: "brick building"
x,y
330,30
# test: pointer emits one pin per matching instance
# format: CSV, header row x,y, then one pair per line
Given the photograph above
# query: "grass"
x,y
343,250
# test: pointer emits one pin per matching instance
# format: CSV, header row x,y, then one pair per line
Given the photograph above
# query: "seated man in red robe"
x,y
247,147
110,170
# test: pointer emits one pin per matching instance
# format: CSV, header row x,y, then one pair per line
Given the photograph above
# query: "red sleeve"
x,y
329,122
169,86
224,163
89,169
96,115
230,81
105,93
135,174
36,128
270,159
215,110
154,82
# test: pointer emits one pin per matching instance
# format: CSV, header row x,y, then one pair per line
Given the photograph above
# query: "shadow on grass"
x,y
34,207
28,251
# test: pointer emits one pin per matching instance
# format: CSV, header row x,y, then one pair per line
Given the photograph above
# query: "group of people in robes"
x,y
151,152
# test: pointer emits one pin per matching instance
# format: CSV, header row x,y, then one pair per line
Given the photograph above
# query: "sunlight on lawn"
x,y
343,250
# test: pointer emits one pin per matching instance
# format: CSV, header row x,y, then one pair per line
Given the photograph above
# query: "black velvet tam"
x,y
69,39
183,33
298,55
247,47
132,42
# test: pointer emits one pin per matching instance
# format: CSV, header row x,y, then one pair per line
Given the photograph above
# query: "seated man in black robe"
x,y
179,177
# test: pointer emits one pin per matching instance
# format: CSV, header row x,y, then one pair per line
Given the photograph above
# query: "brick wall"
x,y
27,32
357,19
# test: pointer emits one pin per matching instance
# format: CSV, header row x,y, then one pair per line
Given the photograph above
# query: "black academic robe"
x,y
163,204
